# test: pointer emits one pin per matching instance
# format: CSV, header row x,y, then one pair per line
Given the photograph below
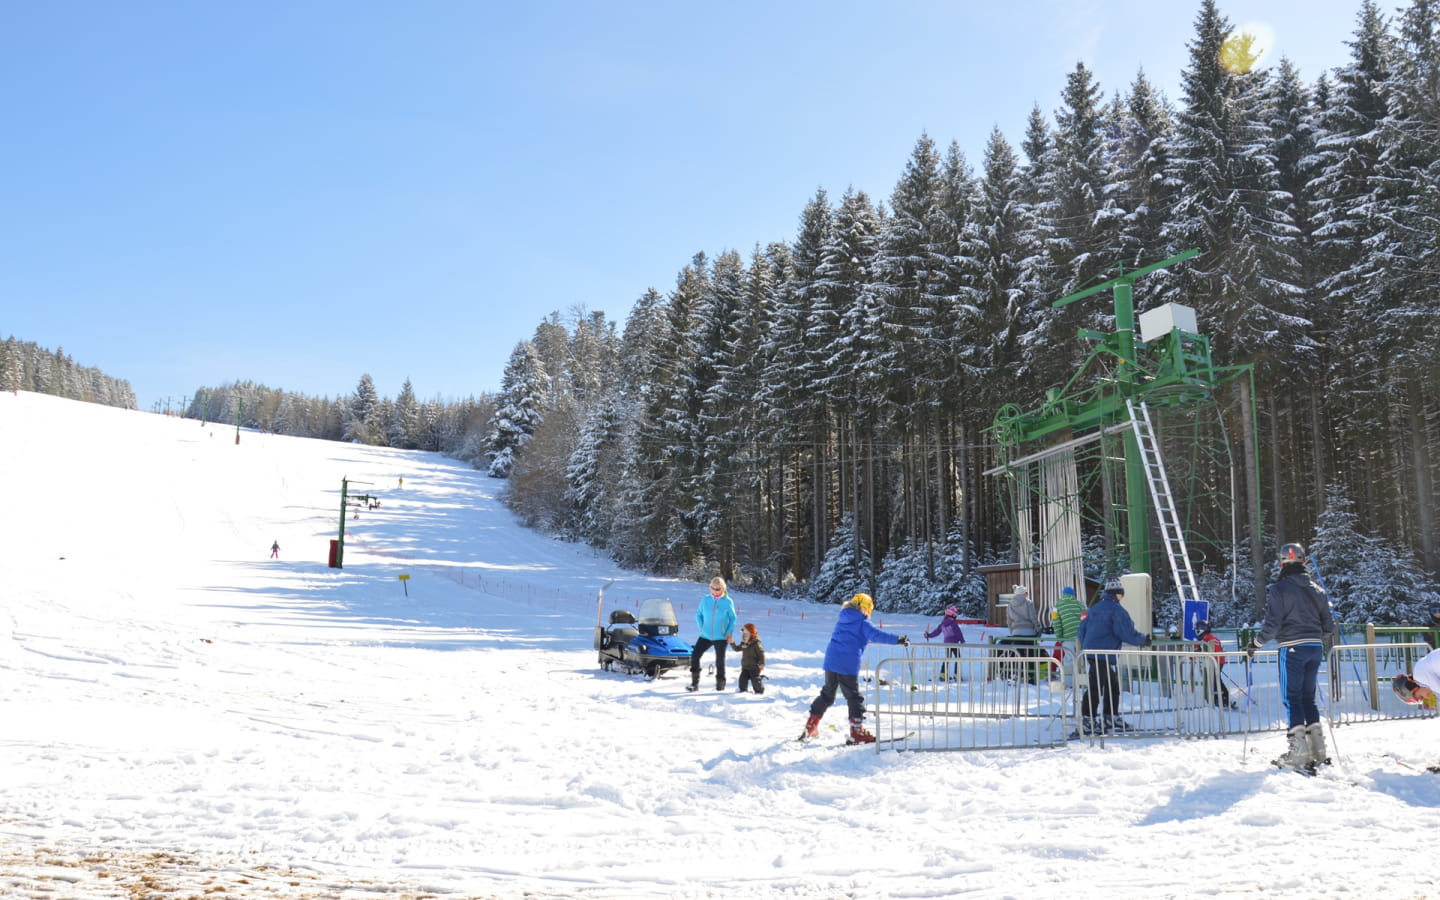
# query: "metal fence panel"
x,y
989,696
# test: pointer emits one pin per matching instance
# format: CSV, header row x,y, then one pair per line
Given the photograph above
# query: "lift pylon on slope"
x,y
1056,503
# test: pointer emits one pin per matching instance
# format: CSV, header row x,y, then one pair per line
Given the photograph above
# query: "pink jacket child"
x,y
950,633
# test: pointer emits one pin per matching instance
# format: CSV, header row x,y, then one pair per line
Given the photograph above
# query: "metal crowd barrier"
x,y
986,697
983,697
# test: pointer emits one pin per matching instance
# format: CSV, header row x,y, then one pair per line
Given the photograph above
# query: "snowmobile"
x,y
645,644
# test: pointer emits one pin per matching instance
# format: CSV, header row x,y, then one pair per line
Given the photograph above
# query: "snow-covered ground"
x,y
185,717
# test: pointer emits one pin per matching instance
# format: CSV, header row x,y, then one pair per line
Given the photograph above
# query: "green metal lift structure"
x,y
1105,410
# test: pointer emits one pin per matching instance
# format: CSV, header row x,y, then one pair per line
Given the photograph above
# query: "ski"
x,y
1433,770
814,742
877,741
804,737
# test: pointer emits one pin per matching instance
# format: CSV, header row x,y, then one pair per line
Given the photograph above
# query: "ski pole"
x,y
1334,747
1249,683
1236,685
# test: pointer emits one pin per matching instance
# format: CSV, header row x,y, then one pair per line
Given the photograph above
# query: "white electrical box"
x,y
1160,321
1136,600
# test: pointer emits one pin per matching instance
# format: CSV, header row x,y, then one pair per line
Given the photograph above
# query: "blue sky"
x,y
298,193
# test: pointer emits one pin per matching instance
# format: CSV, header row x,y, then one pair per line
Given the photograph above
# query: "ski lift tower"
x,y
1055,500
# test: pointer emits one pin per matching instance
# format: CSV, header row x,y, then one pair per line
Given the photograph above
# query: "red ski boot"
x,y
858,734
812,728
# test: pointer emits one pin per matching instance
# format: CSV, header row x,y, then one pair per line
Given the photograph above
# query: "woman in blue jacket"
x,y
842,666
715,617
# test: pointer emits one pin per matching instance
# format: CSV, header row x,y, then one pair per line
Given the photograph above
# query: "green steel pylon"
x,y
1172,370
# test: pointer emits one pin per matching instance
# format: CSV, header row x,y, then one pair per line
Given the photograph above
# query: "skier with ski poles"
x,y
949,631
1297,618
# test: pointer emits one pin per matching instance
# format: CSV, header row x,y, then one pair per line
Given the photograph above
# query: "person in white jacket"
x,y
1021,616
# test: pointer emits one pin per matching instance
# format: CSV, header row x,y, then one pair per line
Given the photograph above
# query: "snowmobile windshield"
x,y
658,617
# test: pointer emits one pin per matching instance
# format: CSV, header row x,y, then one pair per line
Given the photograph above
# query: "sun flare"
x,y
1246,47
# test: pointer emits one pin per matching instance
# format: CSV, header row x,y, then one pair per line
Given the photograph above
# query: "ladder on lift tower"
x,y
1170,527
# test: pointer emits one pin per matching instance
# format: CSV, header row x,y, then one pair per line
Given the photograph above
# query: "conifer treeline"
x,y
25,366
821,405
455,428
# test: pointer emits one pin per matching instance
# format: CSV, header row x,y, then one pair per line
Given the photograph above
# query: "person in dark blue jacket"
x,y
1298,618
842,666
715,617
1107,627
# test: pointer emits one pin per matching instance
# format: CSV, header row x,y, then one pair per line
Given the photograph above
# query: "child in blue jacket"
x,y
842,666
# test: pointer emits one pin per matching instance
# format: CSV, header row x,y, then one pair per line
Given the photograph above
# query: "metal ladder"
x,y
1170,528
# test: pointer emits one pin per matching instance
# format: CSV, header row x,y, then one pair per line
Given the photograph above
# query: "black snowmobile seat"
x,y
622,617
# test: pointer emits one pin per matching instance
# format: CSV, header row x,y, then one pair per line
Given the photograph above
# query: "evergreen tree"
x,y
1082,226
844,571
404,423
639,528
1228,205
361,425
1142,132
1003,221
524,387
1367,579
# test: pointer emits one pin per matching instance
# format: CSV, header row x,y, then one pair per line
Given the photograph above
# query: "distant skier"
x,y
949,631
275,550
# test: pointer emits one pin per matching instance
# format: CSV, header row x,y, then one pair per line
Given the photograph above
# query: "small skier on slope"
x,y
842,666
949,631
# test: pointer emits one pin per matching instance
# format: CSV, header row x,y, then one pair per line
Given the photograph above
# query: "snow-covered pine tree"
x,y
902,584
1140,133
1368,580
1080,227
1245,283
524,386
899,332
824,395
726,334
1399,300
665,452
841,573
361,426
644,348
402,424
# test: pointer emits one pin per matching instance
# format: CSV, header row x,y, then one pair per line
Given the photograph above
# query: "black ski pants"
x,y
849,685
701,645
1103,692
